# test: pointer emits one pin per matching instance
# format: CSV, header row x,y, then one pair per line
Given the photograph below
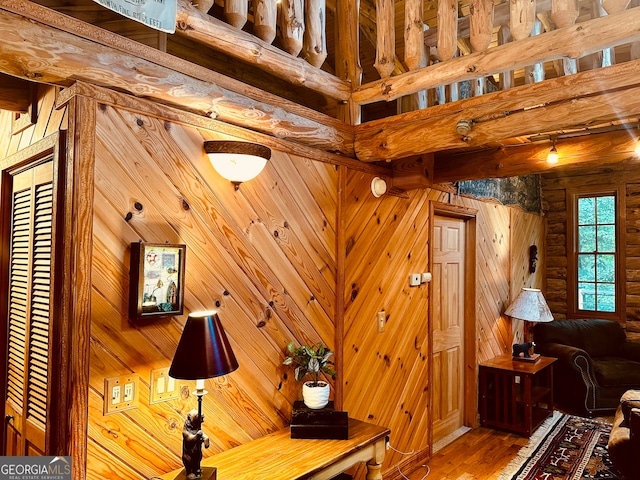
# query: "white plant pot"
x,y
315,397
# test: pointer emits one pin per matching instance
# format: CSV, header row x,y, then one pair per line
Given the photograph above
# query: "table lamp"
x,y
529,306
203,352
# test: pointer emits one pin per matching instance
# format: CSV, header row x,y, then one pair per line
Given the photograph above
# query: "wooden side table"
x,y
515,395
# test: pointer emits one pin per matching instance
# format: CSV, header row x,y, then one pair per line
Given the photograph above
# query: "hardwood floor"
x,y
479,454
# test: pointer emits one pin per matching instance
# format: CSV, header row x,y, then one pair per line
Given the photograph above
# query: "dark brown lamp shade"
x,y
204,350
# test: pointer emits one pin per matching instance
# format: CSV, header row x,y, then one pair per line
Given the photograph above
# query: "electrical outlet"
x,y
380,320
120,393
115,395
128,392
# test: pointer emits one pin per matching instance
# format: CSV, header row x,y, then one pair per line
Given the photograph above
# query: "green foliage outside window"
x,y
597,253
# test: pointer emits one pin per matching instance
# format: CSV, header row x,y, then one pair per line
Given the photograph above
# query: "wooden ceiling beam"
x,y
45,46
14,94
571,42
574,101
512,161
220,36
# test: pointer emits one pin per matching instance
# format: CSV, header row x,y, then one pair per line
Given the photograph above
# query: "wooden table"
x,y
516,395
279,457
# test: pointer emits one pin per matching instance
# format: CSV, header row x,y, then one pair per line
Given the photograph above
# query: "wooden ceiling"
x,y
517,121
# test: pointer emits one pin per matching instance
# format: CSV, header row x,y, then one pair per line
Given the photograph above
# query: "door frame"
x,y
470,414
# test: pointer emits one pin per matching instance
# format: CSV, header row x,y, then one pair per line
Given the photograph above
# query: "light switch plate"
x,y
162,387
121,393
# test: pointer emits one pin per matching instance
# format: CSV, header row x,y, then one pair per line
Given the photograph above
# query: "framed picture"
x,y
156,280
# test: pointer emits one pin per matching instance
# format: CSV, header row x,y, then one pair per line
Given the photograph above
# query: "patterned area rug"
x,y
564,448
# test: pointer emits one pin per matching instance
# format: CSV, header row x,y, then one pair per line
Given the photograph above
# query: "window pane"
x,y
586,211
606,297
606,238
586,268
606,210
596,256
587,239
606,268
586,296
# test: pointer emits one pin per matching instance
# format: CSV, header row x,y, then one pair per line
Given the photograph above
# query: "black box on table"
x,y
322,423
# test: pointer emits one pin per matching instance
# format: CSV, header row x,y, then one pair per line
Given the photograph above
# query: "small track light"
x,y
552,156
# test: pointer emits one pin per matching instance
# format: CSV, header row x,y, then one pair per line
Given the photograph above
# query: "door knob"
x,y
8,418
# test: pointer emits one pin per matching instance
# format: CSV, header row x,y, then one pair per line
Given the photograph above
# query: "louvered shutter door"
x,y
29,309
40,290
18,294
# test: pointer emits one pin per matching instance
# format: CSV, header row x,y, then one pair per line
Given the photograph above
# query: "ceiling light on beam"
x,y
552,156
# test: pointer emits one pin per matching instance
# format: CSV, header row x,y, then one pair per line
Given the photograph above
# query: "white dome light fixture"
x,y
378,187
237,161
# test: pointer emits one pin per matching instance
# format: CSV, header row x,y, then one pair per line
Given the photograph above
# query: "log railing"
x,y
494,47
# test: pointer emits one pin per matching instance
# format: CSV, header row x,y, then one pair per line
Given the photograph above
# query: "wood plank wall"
x,y
49,120
267,253
621,174
386,375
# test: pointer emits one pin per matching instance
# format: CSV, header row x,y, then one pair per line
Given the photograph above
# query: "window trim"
x,y
572,253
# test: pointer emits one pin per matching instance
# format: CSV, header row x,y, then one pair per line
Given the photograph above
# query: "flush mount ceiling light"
x,y
552,156
378,187
237,161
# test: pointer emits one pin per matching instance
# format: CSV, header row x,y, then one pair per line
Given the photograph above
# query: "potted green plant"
x,y
312,360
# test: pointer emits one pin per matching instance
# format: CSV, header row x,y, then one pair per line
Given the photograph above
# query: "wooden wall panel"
x,y
555,207
267,253
493,272
526,230
270,246
49,121
386,379
387,375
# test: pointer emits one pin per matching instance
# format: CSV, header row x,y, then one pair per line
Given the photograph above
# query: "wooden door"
x,y
28,314
448,269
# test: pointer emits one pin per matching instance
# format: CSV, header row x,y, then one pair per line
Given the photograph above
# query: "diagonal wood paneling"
x,y
270,246
268,254
386,375
526,230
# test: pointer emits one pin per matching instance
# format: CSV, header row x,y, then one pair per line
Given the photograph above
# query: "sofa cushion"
x,y
597,337
615,371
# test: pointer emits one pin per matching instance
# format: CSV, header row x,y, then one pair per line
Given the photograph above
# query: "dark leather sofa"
x,y
624,440
596,363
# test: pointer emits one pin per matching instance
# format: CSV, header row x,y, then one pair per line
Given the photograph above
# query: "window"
x,y
596,262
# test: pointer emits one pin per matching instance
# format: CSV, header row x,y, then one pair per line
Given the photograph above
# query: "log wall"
x,y
267,253
622,174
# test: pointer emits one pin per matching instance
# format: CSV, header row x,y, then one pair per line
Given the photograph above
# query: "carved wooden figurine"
x,y
192,439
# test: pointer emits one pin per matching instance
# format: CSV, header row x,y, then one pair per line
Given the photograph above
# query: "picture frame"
x,y
156,280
